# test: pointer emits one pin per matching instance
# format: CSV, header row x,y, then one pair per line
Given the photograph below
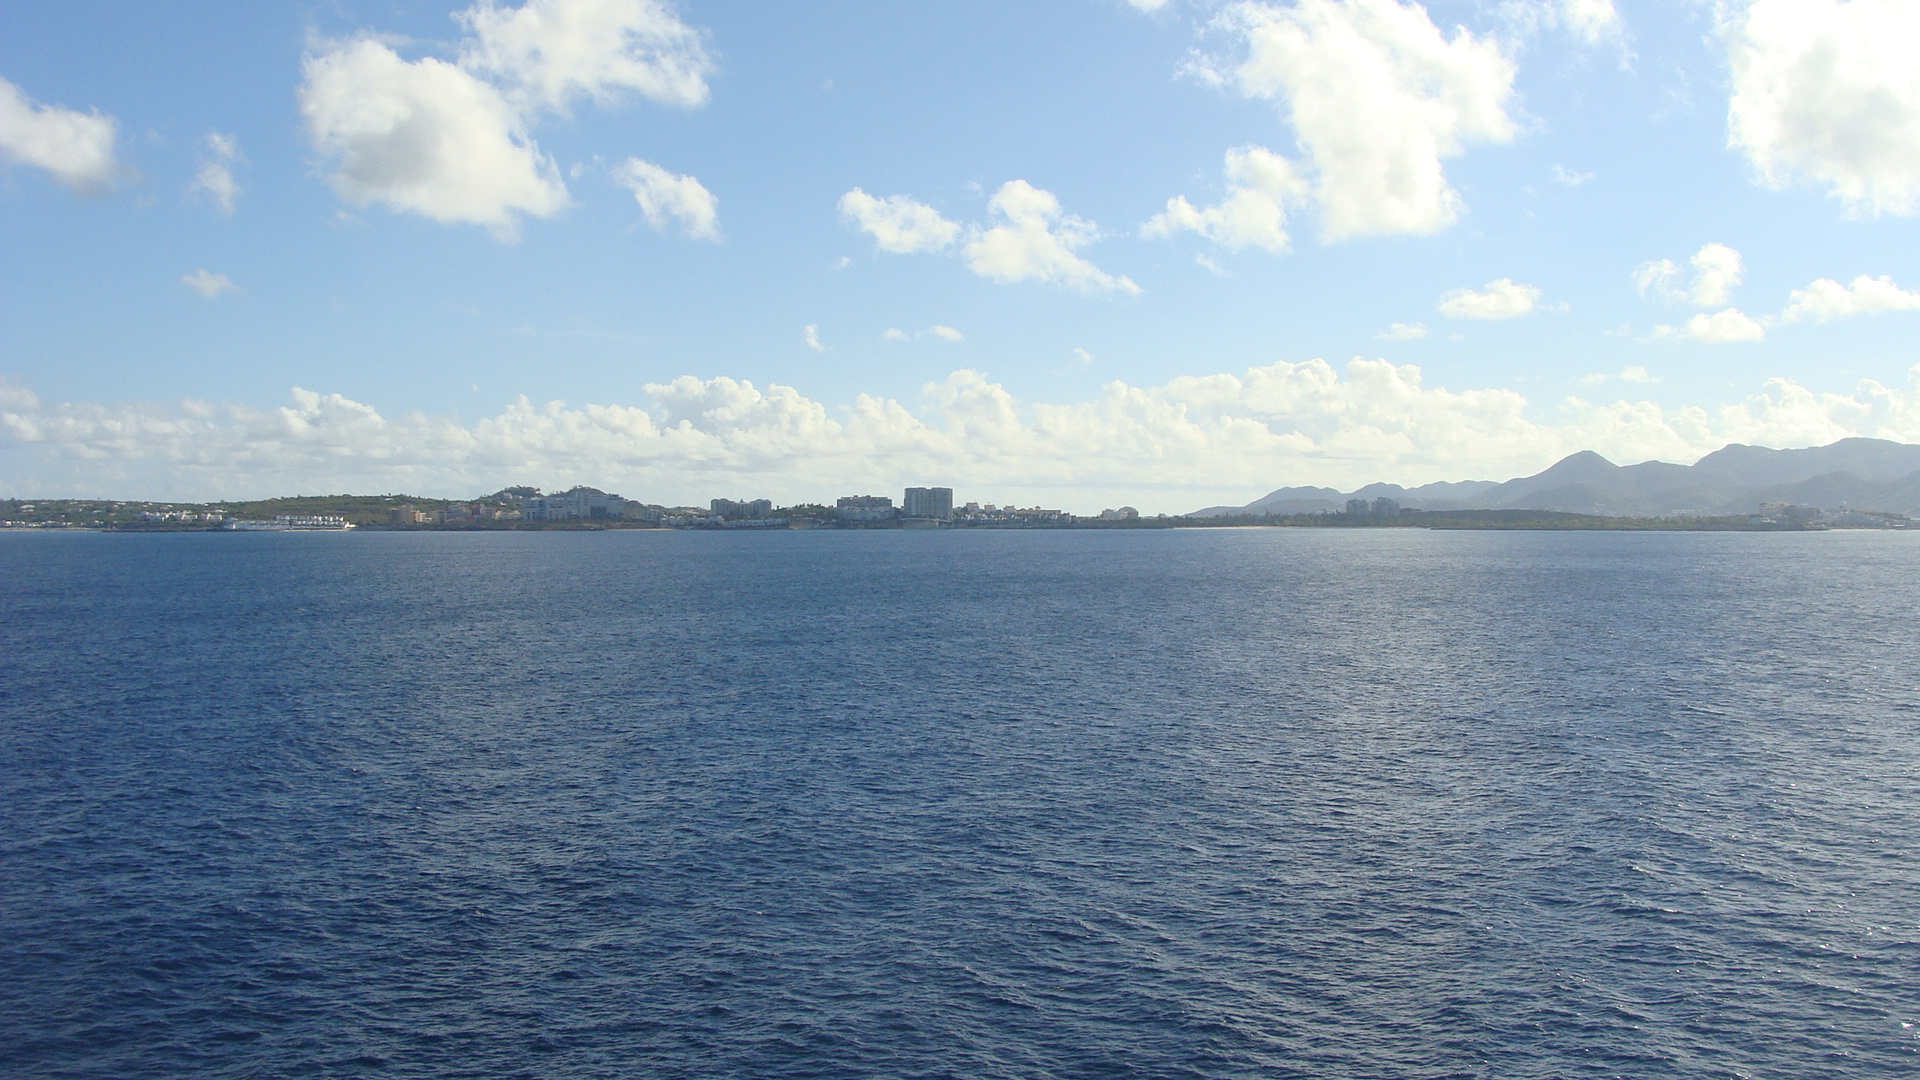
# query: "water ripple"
x,y
1219,804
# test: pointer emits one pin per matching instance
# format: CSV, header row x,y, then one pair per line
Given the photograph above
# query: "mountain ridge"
x,y
1860,473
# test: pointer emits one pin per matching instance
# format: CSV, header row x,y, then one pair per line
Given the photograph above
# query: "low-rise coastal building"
x,y
579,504
742,509
864,508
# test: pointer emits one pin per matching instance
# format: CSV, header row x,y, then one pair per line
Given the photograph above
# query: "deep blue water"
x,y
1261,803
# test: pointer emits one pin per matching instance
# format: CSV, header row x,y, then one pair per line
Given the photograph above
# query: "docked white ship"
x,y
294,523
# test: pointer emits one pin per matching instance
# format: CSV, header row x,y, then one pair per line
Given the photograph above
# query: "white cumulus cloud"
x,y
553,52
1827,93
76,147
1378,98
425,136
1501,299
215,179
666,197
1263,186
898,224
947,333
452,140
1034,240
810,334
1730,326
1188,442
1826,299
1403,332
1029,238
208,284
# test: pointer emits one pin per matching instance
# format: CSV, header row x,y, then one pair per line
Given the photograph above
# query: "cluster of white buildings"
x,y
293,523
580,504
921,507
184,517
933,506
974,513
1800,515
453,514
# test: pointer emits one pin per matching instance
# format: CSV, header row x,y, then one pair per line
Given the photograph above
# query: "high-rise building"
x,y
928,503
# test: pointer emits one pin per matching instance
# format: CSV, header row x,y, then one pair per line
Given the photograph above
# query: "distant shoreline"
x,y
400,513
1453,521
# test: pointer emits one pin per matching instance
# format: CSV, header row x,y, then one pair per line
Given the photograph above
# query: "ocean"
x,y
1075,804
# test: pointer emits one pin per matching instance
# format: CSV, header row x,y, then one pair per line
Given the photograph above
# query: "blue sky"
x,y
1076,253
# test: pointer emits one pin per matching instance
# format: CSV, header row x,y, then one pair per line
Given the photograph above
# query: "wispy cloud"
x,y
667,198
944,333
1633,373
214,182
208,284
1717,270
898,224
